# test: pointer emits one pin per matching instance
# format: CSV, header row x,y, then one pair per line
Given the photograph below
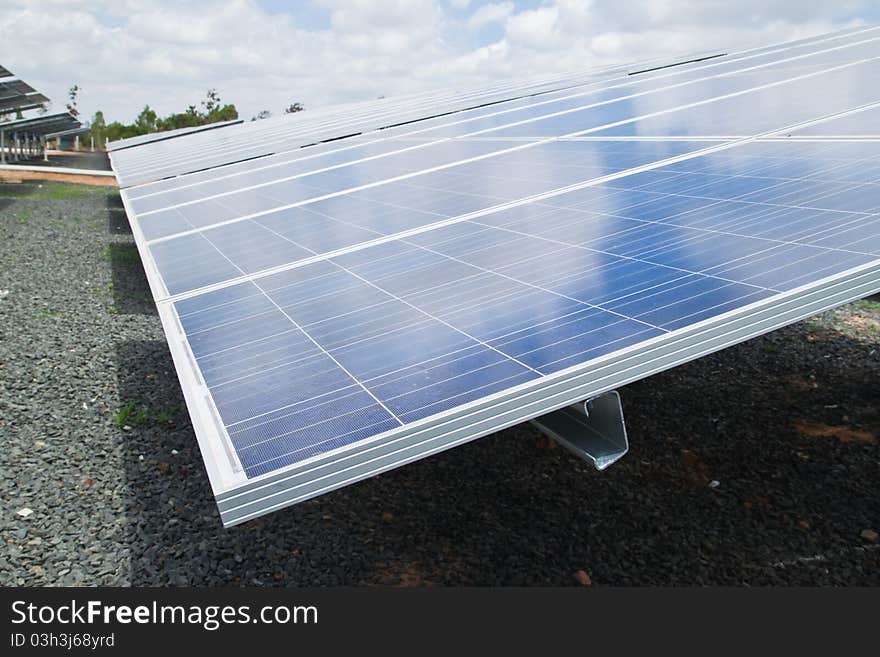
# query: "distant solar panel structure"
x,y
18,96
5,72
27,137
42,125
343,309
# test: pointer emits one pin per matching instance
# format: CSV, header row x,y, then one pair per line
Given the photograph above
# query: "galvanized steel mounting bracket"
x,y
593,430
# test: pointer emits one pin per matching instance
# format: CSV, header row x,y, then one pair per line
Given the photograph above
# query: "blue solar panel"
x,y
359,344
324,315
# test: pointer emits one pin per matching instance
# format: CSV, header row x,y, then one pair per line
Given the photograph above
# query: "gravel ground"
x,y
787,425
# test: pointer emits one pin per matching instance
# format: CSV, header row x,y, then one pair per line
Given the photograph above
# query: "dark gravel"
x,y
786,424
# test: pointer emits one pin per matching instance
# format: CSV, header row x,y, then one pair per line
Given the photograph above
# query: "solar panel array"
x,y
338,310
39,126
16,95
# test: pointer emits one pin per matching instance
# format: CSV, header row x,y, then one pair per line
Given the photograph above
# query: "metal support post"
x,y
593,430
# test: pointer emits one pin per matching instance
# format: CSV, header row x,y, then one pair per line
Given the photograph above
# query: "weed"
x,y
165,416
131,414
47,314
865,304
24,216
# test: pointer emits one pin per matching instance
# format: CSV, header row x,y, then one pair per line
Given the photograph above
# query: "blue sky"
x,y
264,54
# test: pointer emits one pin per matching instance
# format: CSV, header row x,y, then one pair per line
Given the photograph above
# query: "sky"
x,y
266,54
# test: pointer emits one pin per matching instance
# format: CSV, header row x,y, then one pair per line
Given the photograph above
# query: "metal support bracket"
x,y
593,430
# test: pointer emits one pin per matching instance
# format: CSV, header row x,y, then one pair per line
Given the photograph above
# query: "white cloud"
x,y
126,53
538,29
496,12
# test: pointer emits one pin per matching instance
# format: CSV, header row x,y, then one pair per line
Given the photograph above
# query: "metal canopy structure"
x,y
27,137
339,310
17,95
5,72
40,126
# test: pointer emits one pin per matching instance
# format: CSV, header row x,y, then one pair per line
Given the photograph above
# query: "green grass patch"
x,y
47,314
24,216
64,192
865,304
55,191
131,414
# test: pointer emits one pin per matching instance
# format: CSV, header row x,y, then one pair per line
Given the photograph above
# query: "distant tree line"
x,y
210,110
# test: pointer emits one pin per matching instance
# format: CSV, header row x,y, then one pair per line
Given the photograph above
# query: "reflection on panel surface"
x,y
327,354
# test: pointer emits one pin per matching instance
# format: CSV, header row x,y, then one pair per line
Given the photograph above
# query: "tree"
x,y
98,129
262,114
212,101
210,110
72,95
145,121
293,108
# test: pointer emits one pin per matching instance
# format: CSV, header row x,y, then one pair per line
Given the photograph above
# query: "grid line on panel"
x,y
675,138
581,133
329,355
477,158
274,492
591,129
843,163
333,395
601,306
792,47
319,443
775,206
481,342
537,197
315,342
617,255
514,280
568,245
602,88
434,317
